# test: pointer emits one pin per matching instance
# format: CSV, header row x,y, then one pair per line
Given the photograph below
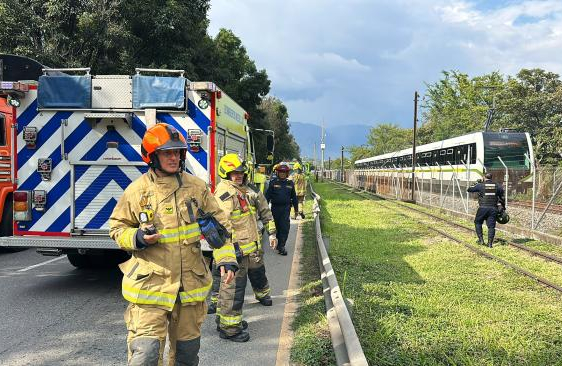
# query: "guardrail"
x,y
345,342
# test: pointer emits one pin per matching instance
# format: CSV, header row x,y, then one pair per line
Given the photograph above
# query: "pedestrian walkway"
x,y
264,323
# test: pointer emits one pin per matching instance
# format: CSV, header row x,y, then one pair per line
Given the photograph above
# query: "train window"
x,y
449,151
442,152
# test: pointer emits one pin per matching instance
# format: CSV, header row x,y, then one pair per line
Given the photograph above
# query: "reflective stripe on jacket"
x,y
244,225
154,275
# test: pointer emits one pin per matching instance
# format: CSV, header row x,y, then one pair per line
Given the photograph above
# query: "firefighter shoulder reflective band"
x,y
215,234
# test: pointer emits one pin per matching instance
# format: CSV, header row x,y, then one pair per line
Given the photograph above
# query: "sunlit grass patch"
x,y
312,344
421,299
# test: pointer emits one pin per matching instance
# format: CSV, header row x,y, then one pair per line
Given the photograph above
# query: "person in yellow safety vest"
x,y
166,280
300,187
235,201
259,181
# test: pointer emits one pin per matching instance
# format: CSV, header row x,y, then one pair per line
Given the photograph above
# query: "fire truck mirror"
x,y
269,143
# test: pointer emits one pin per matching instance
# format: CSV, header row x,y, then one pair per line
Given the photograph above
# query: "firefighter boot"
x,y
266,300
242,336
481,240
302,215
490,243
212,309
243,323
187,352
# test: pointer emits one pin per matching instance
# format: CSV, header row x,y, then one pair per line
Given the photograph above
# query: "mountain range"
x,y
308,134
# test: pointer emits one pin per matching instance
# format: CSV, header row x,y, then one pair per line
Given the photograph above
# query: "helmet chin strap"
x,y
155,164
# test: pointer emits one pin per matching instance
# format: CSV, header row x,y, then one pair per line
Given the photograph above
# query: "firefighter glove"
x,y
273,241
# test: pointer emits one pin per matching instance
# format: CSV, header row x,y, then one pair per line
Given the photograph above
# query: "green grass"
x,y
312,344
423,300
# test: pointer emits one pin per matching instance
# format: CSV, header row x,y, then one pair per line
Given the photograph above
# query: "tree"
x,y
232,69
277,118
457,104
387,137
110,36
532,102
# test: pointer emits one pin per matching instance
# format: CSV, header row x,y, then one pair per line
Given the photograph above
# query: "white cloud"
x,y
360,61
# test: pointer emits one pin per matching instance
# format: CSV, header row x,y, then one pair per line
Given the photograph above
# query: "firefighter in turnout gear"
x,y
166,280
233,196
300,187
256,266
489,195
281,193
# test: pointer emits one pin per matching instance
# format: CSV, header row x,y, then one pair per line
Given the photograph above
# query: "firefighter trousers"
x,y
148,327
487,214
281,216
256,275
231,299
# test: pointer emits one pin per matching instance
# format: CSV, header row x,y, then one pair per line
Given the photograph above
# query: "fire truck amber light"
x,y
20,206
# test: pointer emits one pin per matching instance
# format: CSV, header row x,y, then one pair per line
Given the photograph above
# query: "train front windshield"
x,y
511,147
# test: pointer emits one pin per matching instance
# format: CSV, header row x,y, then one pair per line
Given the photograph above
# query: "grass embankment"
x,y
312,344
423,300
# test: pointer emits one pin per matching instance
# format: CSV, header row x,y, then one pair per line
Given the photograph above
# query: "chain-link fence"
x,y
541,211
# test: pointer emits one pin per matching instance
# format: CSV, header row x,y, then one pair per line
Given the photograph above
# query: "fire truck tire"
x,y
6,227
79,260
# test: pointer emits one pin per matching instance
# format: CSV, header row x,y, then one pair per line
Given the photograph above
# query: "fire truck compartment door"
x,y
96,190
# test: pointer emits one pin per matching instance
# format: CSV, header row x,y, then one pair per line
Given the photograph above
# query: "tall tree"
x,y
277,118
532,102
457,104
231,68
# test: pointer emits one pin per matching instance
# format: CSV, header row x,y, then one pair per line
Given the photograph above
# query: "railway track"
x,y
539,206
471,247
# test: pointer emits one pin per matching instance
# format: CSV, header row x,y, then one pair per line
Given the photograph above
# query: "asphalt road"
x,y
53,314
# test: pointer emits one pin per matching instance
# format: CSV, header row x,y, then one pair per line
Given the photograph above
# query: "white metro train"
x,y
468,156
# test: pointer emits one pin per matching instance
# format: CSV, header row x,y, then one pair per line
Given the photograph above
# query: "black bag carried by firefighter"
x,y
502,217
213,231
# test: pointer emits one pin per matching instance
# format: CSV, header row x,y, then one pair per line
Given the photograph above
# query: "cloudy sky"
x,y
360,61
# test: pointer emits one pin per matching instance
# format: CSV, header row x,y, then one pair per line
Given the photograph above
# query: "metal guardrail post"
x,y
344,325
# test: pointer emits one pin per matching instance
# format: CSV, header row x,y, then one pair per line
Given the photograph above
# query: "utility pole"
x,y
314,158
329,163
322,147
342,177
416,96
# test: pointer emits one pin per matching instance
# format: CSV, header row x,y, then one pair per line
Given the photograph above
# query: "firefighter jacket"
x,y
235,202
489,194
156,273
260,208
300,183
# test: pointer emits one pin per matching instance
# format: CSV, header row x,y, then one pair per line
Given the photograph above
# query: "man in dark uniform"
x,y
281,193
489,195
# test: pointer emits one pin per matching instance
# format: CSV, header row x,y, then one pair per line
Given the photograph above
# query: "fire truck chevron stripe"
x,y
101,147
27,116
201,156
138,126
102,216
197,115
110,174
43,135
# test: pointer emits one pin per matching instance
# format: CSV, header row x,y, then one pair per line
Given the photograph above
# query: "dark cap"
x,y
488,176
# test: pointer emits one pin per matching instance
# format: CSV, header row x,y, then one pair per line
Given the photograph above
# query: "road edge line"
x,y
291,304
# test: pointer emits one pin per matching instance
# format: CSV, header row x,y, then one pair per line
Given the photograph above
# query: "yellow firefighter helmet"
x,y
230,163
